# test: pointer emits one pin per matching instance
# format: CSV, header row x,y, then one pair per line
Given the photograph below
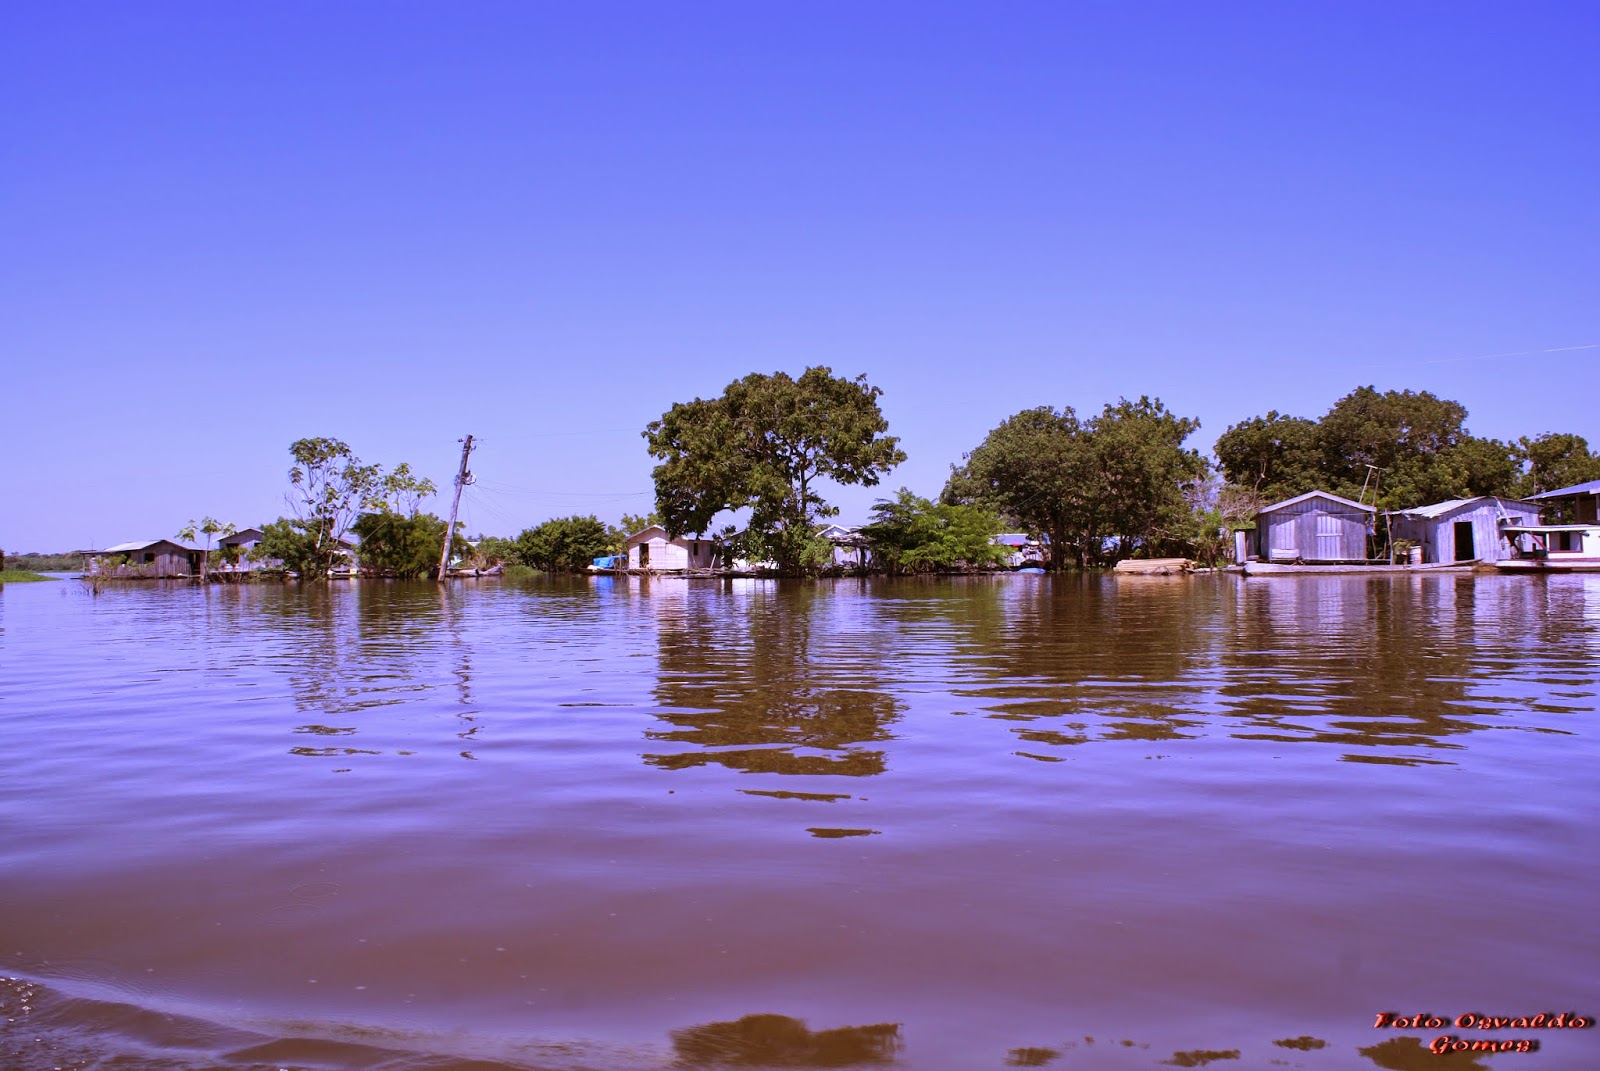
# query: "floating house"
x,y
247,540
652,551
151,559
849,546
1317,526
1578,504
1462,529
1022,551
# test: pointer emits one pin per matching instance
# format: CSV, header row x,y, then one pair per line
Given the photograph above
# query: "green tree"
x,y
564,544
1274,457
1552,461
1117,476
397,545
1143,470
328,487
296,545
209,527
632,524
910,534
1413,446
1419,444
495,550
399,492
1037,468
767,444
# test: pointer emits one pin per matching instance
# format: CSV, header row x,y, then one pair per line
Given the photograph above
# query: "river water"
x,y
995,822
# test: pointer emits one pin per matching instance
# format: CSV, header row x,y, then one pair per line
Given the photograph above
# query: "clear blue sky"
x,y
226,227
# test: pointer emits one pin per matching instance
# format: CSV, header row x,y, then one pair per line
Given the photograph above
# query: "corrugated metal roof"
x,y
1439,509
1590,488
126,548
1315,494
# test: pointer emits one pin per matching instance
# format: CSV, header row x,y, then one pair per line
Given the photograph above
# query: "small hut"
x,y
652,551
148,559
1314,527
1462,529
247,540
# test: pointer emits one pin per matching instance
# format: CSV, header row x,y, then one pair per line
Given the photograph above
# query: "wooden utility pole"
x,y
462,479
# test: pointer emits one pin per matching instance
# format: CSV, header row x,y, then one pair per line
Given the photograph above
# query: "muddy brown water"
x,y
1022,821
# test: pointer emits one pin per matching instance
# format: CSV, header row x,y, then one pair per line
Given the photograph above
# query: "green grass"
x,y
517,572
20,576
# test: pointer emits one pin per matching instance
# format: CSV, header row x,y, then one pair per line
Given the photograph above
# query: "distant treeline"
x,y
35,562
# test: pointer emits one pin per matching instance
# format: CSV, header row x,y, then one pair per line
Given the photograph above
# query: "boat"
x,y
1399,568
1551,548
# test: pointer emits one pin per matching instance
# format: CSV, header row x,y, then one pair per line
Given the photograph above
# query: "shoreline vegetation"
x,y
22,576
1061,491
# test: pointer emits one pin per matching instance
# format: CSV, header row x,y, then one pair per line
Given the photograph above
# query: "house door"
x,y
644,555
1464,548
1328,537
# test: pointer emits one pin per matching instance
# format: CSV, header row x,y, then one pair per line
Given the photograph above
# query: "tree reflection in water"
x,y
779,1041
749,682
1388,670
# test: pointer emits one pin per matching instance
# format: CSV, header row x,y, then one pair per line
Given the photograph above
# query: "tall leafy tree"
x,y
1143,471
1037,468
329,488
768,444
400,492
1554,460
1274,457
1417,443
1119,476
1412,445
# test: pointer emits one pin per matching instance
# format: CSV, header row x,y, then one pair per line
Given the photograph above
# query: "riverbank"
x,y
21,576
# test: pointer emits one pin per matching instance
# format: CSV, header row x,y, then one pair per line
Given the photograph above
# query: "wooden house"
x,y
1314,527
147,559
246,539
1462,529
849,546
1578,504
652,551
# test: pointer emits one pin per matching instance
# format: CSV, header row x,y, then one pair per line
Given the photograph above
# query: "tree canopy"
x,y
394,544
1554,460
1412,444
1117,477
329,487
564,544
910,534
1274,457
767,444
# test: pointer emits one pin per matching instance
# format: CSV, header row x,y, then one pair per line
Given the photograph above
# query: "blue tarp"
x,y
611,561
